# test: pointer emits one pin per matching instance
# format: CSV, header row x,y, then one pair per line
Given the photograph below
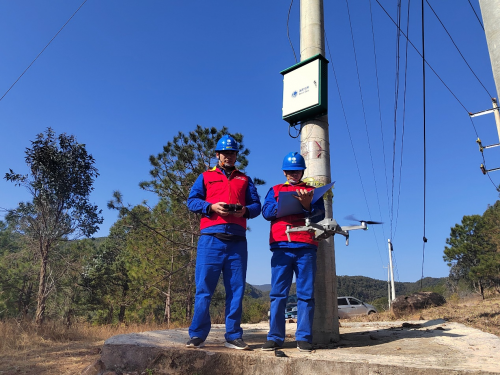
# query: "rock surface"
x,y
410,304
414,347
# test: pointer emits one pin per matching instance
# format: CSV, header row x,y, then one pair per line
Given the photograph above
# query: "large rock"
x,y
403,305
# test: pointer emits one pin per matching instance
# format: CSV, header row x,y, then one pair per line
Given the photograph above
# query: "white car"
x,y
350,306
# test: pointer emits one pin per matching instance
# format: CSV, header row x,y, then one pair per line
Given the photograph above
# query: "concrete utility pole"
x,y
315,147
393,294
388,286
490,11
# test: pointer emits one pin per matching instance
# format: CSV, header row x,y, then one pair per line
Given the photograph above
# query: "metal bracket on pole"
x,y
484,170
494,110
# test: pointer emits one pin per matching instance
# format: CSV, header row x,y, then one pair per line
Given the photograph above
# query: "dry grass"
x,y
473,312
54,348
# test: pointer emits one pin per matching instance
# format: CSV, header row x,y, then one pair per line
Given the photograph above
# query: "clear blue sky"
x,y
125,76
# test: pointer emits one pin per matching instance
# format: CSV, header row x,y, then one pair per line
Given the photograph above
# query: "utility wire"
x,y
425,151
426,62
404,118
396,101
482,27
288,30
29,66
461,55
349,132
364,112
379,111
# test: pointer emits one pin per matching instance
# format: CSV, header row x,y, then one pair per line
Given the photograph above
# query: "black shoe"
x,y
236,344
270,345
196,343
304,346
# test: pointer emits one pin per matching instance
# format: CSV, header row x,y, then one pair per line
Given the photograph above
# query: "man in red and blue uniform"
x,y
226,198
295,256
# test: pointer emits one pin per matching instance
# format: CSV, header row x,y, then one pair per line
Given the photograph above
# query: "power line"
x,y
350,137
379,110
288,30
404,118
426,62
396,101
479,20
461,55
29,66
425,150
364,117
363,105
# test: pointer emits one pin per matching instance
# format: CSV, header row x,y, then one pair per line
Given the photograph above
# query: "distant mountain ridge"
x,y
368,289
263,288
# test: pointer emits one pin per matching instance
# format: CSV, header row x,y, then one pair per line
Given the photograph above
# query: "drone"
x,y
329,227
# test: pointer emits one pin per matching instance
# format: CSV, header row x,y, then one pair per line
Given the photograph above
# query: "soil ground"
x,y
54,358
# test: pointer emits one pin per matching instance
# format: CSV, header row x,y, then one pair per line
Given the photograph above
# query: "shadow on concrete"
x,y
406,330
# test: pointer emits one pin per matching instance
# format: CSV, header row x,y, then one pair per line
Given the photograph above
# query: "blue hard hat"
x,y
227,143
294,162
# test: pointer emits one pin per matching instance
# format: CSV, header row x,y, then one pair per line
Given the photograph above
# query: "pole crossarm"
x,y
485,112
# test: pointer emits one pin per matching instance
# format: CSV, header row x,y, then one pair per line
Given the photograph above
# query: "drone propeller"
x,y
352,218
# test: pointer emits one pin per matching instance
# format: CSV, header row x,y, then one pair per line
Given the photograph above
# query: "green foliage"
x,y
255,305
472,251
60,181
160,247
368,289
381,304
18,275
184,159
142,272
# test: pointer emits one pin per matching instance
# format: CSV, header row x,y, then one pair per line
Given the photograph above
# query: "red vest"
x,y
278,226
219,188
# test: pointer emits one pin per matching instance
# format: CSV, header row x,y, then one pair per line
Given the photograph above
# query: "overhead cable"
x,y
363,109
458,49
379,111
426,62
288,31
425,150
349,133
479,20
25,70
404,119
395,117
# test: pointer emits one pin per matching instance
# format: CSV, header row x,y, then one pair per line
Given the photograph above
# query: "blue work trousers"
x,y
283,264
215,256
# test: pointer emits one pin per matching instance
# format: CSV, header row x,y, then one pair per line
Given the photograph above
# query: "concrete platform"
x,y
412,347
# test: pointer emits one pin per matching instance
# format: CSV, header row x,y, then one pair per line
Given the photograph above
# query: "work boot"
x,y
195,342
304,346
270,345
237,344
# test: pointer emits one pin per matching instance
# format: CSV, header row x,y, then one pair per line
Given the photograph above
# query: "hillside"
x,y
368,289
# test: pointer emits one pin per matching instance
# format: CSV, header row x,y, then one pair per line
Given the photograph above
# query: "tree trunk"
x,y
121,314
189,296
42,295
24,297
168,311
110,314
